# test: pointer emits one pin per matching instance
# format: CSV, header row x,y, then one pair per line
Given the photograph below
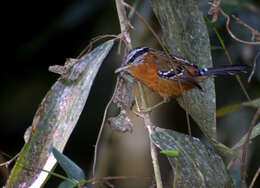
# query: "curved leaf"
x,y
56,118
198,164
72,169
230,108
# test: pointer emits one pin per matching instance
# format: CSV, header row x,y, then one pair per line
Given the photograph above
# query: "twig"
x,y
125,37
228,58
243,166
254,66
214,10
231,163
255,177
88,48
255,33
148,124
124,23
132,12
102,127
230,32
147,120
9,161
107,178
95,39
109,184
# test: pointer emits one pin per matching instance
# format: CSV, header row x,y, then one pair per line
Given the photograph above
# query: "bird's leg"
x,y
149,109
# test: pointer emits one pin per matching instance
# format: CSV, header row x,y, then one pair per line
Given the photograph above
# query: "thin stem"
x,y
255,177
148,124
233,36
124,25
243,166
176,173
7,163
123,21
101,128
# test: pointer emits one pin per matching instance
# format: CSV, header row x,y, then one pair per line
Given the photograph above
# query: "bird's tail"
x,y
223,70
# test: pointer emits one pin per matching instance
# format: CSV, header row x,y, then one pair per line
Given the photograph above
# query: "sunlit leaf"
x,y
56,118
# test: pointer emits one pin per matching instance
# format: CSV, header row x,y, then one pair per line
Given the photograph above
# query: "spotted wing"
x,y
184,69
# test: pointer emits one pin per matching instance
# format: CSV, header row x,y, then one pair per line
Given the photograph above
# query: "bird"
x,y
161,72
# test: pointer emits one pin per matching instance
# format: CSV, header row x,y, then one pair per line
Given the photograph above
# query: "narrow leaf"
x,y
227,109
230,108
56,118
72,170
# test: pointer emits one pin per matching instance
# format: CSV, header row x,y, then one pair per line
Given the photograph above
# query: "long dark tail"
x,y
223,70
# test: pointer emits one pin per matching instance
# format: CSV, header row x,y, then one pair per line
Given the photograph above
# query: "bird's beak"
x,y
123,68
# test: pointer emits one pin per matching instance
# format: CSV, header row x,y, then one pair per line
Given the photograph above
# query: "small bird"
x,y
155,70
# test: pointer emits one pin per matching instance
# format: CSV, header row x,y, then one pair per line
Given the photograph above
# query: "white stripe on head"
x,y
136,54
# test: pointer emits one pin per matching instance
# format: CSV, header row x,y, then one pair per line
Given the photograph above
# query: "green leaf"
x,y
227,109
72,170
172,153
199,164
230,108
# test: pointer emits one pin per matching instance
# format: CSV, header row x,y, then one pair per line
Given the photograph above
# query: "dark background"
x,y
37,34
